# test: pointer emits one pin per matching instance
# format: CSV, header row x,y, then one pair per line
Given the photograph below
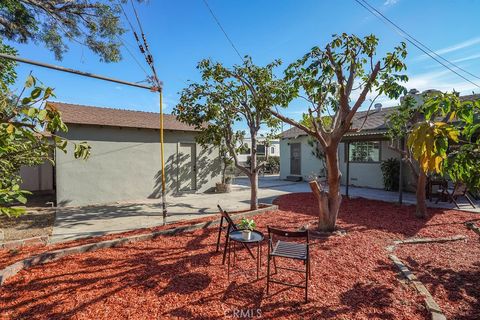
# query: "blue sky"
x,y
182,32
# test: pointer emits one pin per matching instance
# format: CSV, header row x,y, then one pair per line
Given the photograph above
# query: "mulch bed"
x,y
451,272
181,276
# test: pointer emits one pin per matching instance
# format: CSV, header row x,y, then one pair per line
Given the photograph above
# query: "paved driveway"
x,y
75,223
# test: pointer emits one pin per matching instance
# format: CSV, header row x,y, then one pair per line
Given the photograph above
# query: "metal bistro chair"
x,y
459,190
231,226
289,250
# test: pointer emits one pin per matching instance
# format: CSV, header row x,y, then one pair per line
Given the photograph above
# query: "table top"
x,y
256,236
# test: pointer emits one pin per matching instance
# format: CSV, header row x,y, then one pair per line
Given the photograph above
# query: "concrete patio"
x,y
80,222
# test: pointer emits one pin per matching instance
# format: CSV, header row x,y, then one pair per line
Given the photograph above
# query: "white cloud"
x,y
388,3
472,57
453,48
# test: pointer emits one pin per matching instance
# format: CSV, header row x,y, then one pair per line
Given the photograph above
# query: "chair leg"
x,y
470,201
219,233
307,272
268,273
225,249
309,269
455,202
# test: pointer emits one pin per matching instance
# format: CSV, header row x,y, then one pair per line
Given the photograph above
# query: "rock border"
x,y
16,244
472,226
430,303
49,256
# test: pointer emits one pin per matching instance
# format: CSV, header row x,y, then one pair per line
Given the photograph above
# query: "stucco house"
x,y
125,157
368,148
272,150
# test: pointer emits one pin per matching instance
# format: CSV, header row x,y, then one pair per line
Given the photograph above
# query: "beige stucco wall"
x,y
310,165
125,166
37,178
366,174
361,174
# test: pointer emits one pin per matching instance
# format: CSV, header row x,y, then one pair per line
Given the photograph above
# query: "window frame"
x,y
347,151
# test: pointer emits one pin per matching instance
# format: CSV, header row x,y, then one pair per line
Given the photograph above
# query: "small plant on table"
x,y
247,226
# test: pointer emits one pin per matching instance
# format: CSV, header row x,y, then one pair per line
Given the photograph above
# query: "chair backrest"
x,y
287,234
227,217
460,189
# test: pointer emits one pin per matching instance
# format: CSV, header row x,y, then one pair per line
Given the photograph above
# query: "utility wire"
x,y
144,48
223,30
406,34
414,42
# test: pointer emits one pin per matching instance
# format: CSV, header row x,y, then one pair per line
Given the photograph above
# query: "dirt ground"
x,y
32,224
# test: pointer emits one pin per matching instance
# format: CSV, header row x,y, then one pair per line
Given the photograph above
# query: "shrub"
x,y
391,172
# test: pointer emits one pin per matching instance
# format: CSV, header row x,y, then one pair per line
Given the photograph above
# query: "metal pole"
x,y
77,72
348,168
164,203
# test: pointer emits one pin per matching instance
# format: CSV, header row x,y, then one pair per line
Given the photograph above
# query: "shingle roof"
x,y
79,114
373,123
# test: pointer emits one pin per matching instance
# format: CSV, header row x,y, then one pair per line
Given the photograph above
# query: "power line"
x,y
223,30
420,43
414,42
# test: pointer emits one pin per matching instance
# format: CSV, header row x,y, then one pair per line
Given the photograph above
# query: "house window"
x,y
367,151
272,150
261,149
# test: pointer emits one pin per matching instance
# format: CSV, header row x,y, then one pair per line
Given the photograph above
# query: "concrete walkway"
x,y
80,222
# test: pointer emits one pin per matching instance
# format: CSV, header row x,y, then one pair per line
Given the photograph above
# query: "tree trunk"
x,y
421,210
329,202
253,173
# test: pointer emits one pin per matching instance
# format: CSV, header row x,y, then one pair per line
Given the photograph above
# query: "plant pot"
x,y
246,234
223,187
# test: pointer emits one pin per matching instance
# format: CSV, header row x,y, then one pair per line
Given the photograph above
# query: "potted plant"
x,y
247,226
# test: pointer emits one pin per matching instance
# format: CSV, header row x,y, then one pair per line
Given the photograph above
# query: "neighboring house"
x,y
125,157
273,148
368,147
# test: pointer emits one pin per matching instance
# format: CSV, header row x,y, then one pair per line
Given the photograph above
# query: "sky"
x,y
182,32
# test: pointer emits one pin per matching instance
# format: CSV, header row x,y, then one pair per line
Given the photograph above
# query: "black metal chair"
x,y
459,190
231,226
289,250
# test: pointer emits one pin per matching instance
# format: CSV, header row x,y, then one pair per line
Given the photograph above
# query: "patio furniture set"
x,y
281,244
440,188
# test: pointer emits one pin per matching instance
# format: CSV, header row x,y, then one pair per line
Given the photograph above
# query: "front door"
x,y
187,167
295,159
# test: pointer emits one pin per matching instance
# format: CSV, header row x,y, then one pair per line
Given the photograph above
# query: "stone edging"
x,y
472,226
15,244
49,256
430,303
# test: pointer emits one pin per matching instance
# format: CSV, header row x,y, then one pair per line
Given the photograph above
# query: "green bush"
x,y
391,172
272,165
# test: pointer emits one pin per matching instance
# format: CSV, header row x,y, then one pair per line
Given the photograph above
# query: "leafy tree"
x,y
423,113
228,96
446,140
27,138
336,81
95,24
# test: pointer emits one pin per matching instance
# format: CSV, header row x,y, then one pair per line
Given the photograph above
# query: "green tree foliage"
x,y
95,24
442,138
447,140
335,81
227,96
28,137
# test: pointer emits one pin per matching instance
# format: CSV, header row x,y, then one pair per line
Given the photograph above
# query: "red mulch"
x,y
182,276
451,272
8,256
